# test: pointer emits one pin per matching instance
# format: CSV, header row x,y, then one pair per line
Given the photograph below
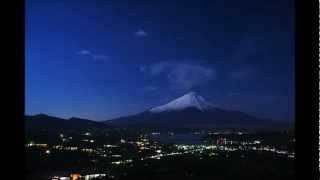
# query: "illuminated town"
x,y
106,159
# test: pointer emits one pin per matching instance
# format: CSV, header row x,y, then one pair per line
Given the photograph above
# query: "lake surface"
x,y
186,138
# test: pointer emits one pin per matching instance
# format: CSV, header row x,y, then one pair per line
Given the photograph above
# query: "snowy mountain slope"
x,y
188,100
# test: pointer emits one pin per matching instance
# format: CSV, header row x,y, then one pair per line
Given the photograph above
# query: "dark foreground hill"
x,y
43,123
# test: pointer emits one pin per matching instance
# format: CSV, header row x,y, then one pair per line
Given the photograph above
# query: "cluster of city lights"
x,y
155,151
76,176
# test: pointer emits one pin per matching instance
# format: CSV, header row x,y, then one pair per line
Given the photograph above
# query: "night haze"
x,y
106,59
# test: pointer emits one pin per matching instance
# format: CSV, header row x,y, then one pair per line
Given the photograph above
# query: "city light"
x,y
87,134
32,144
219,147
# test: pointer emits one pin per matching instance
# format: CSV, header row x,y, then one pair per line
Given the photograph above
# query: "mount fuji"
x,y
191,112
189,100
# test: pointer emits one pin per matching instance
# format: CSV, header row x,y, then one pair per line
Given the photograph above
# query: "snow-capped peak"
x,y
188,100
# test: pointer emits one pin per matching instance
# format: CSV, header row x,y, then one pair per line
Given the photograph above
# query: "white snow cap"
x,y
188,100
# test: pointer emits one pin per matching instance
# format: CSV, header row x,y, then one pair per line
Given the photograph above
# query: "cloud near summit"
x,y
180,75
92,55
141,33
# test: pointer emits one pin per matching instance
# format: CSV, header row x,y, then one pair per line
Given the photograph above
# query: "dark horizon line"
x,y
89,119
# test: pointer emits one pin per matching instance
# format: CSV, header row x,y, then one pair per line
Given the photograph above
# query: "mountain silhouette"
x,y
192,111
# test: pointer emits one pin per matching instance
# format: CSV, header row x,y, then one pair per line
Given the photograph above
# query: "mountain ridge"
x,y
190,111
51,124
193,111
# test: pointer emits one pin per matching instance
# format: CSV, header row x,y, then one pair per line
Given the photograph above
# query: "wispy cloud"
x,y
141,33
99,56
151,88
142,68
83,52
92,55
181,75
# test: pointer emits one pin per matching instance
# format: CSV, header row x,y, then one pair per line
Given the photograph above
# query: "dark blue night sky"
x,y
102,59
